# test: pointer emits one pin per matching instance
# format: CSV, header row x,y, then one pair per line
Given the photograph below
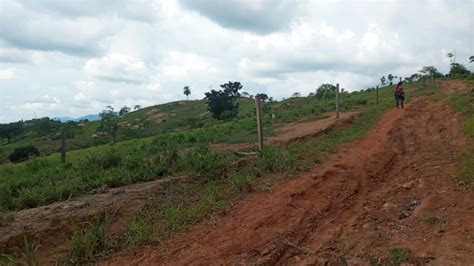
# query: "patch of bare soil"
x,y
157,117
451,86
298,130
51,224
393,188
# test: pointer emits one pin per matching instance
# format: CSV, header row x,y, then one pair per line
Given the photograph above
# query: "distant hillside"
x,y
91,117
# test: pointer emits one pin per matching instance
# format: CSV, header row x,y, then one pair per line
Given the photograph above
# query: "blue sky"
x,y
71,58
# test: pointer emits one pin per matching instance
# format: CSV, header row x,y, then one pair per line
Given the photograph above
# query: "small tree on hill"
x,y
223,103
137,107
124,110
390,78
326,91
382,80
187,92
471,59
107,120
296,95
458,69
263,96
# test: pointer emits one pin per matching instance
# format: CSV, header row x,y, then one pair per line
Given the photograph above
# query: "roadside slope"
x,y
391,189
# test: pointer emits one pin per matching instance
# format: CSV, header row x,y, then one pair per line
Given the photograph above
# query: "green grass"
x,y
463,102
396,256
44,180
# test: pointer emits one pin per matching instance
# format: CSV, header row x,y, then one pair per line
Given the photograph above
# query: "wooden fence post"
x,y
63,146
115,133
377,89
337,100
259,122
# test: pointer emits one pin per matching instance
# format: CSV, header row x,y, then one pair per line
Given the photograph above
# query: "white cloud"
x,y
88,54
118,68
7,73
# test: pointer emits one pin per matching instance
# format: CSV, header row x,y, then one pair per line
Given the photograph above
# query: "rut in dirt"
x,y
367,198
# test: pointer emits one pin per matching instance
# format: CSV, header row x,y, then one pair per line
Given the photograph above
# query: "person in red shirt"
x,y
399,94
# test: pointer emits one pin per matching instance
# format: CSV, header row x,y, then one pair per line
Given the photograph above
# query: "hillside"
x,y
313,171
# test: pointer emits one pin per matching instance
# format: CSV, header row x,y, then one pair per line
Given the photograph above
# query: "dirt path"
x,y
391,189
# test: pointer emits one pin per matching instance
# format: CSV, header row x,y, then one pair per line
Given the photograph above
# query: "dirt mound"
x,y
451,86
391,189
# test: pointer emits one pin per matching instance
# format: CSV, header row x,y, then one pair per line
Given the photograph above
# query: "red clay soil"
x,y
394,188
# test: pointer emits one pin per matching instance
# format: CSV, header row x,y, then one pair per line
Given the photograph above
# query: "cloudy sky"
x,y
74,57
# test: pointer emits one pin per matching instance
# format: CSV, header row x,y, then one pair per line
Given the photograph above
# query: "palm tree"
x,y
187,92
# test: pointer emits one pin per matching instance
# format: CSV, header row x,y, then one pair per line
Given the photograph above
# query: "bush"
x,y
23,153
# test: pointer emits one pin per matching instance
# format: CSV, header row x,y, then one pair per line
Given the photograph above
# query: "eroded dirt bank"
x,y
392,189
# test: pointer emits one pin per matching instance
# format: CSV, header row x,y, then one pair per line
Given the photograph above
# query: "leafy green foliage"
x,y
326,91
458,70
223,103
87,243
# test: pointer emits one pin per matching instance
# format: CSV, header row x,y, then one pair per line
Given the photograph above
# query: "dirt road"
x,y
394,188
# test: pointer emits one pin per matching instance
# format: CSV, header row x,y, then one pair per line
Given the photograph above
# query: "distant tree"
x,y
10,130
223,103
107,120
326,91
245,94
471,59
431,71
452,56
187,92
124,110
296,94
382,80
137,107
263,96
390,78
311,94
270,99
458,69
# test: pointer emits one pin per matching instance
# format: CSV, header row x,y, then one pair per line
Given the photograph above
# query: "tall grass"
x,y
463,102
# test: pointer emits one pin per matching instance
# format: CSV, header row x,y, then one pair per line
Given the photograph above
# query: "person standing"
x,y
399,94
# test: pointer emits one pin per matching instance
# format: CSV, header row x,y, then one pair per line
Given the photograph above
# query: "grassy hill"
x,y
162,140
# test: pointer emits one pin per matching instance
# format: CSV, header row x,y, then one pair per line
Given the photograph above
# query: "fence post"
x,y
115,133
377,89
259,121
337,100
63,146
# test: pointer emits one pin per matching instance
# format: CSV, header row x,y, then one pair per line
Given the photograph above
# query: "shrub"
x,y
23,153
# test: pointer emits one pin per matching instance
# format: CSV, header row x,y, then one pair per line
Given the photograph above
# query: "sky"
x,y
74,57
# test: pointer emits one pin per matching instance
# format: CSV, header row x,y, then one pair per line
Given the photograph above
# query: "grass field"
x,y
463,102
44,180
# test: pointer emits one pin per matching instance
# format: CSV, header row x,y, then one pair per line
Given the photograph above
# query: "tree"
x,y
430,71
263,96
452,56
107,121
245,94
390,78
471,59
187,92
382,80
223,103
296,94
326,91
458,69
8,131
124,110
137,107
